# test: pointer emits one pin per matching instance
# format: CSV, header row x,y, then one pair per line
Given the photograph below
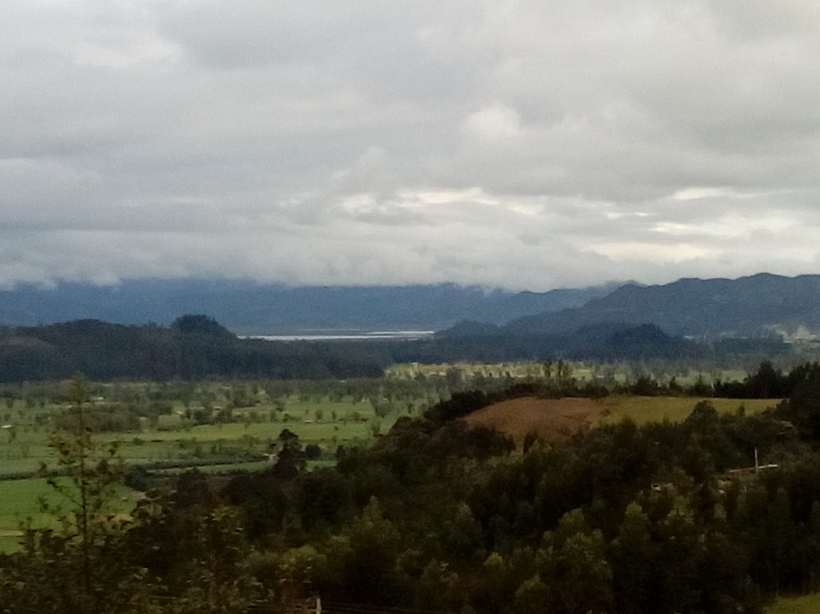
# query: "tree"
x,y
200,325
361,563
290,458
78,567
633,563
573,566
804,406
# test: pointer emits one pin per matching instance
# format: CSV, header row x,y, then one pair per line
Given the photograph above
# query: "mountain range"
x,y
743,317
762,305
248,308
757,306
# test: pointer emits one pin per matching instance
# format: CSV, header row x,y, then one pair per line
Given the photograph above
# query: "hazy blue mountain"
x,y
469,328
248,308
604,341
759,305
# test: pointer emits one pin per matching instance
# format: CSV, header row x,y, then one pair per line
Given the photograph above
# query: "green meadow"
x,y
321,421
20,503
642,410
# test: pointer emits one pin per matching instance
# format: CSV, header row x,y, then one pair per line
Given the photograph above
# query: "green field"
x,y
319,420
809,604
20,502
675,409
238,444
19,499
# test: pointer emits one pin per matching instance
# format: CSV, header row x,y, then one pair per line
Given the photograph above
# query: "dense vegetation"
x,y
439,516
196,347
193,347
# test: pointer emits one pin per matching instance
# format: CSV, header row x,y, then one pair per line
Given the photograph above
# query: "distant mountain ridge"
x,y
756,306
245,307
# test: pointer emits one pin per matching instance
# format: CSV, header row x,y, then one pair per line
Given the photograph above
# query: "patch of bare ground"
x,y
10,533
550,418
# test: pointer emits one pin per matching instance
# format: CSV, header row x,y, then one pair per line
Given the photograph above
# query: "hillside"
x,y
193,347
604,341
760,305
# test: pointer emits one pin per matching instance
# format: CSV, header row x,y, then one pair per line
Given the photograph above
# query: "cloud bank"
x,y
522,144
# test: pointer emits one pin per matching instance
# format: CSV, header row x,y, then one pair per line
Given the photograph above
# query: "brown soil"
x,y
550,418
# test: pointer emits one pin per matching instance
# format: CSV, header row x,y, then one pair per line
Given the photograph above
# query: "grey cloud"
x,y
529,144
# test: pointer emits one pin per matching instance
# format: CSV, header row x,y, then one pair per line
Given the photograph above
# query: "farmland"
x,y
551,418
193,433
223,426
432,490
236,421
218,426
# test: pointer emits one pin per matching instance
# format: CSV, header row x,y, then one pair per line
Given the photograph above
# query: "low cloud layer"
x,y
523,144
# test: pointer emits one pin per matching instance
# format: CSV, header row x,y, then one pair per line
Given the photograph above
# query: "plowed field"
x,y
550,418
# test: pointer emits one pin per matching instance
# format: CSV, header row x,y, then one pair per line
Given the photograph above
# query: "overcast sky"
x,y
531,144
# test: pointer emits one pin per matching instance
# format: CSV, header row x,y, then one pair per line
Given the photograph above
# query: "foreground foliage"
x,y
439,516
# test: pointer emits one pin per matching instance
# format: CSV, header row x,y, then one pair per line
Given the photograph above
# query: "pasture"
x,y
238,441
19,499
229,422
674,409
20,502
316,420
808,604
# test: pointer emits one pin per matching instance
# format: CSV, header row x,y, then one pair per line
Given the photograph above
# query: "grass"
x,y
20,501
675,409
26,448
809,604
354,422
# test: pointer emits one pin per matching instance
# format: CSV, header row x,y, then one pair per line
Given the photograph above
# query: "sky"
x,y
530,144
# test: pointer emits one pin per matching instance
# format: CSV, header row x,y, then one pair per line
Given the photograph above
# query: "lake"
x,y
348,335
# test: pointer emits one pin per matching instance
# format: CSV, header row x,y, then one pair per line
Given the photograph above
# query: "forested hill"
x,y
249,308
754,306
197,347
193,347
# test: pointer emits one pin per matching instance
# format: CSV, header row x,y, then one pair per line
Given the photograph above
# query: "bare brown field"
x,y
557,418
550,418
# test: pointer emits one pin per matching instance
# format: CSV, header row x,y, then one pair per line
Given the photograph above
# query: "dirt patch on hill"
x,y
10,533
550,418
